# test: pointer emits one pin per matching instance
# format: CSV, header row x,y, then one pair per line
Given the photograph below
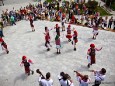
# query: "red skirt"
x,y
76,41
93,60
4,45
27,70
31,25
68,36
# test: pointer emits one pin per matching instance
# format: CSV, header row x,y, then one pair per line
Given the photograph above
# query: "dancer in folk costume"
x,y
63,21
83,79
95,31
57,29
31,23
26,64
63,24
4,45
69,36
75,40
58,44
91,54
47,38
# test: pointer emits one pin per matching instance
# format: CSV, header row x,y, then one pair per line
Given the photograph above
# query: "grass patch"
x,y
113,6
102,11
49,1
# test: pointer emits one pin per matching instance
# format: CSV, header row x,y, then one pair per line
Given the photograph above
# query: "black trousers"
x,y
46,43
97,83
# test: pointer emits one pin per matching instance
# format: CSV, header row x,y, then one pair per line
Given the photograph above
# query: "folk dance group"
x,y
64,79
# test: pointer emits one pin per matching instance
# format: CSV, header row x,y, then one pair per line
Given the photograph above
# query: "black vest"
x,y
92,52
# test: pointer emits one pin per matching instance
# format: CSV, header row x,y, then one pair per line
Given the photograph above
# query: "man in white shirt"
x,y
45,81
99,76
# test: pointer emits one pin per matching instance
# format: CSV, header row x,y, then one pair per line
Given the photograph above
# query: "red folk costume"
x,y
31,23
75,40
47,38
4,45
26,64
57,30
69,36
75,36
91,54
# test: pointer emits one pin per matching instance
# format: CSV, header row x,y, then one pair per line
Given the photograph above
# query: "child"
x,y
91,54
57,29
27,65
63,24
58,44
31,23
47,38
69,36
75,40
95,31
4,45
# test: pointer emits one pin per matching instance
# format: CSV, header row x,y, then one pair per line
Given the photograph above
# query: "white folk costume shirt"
x,y
99,77
83,83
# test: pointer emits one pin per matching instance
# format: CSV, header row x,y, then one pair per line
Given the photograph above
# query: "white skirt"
x,y
58,46
95,32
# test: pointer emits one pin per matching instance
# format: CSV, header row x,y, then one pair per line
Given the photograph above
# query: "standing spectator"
x,y
110,22
99,76
105,22
82,79
91,54
66,80
12,20
61,76
45,81
114,25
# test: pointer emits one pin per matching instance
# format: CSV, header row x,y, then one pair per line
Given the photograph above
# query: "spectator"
x,y
45,81
82,79
110,22
66,80
99,76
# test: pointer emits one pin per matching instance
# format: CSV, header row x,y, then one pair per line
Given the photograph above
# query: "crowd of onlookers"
x,y
65,79
53,12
